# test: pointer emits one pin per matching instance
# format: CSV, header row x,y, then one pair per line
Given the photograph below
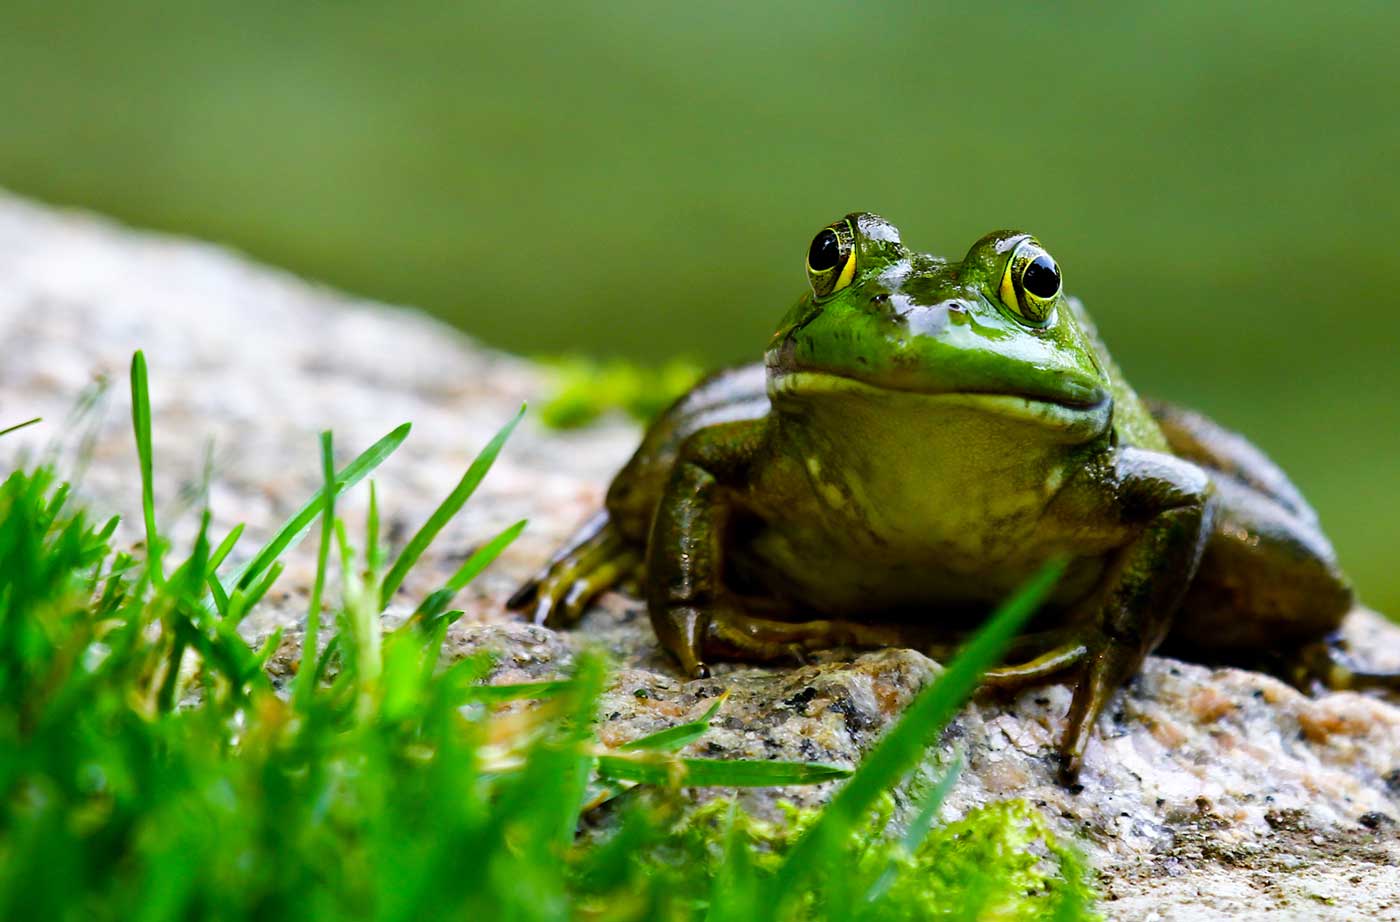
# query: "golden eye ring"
x,y
831,259
1032,283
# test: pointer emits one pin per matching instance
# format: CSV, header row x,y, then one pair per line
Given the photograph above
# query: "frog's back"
x,y
728,395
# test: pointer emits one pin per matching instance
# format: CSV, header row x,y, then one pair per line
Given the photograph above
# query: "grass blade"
x,y
241,601
299,523
141,424
18,426
677,737
216,559
739,773
918,828
476,471
306,668
903,745
372,559
216,588
498,694
436,603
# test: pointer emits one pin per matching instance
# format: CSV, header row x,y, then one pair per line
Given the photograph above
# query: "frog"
x,y
921,436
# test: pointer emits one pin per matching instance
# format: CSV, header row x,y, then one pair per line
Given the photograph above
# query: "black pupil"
x,y
825,252
1042,277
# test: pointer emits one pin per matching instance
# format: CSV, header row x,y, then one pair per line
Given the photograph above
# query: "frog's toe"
x,y
594,560
591,578
733,633
1038,670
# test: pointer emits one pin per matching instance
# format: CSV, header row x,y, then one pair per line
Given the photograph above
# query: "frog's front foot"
x,y
1100,666
595,559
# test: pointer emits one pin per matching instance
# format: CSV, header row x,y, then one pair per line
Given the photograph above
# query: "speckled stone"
x,y
1209,793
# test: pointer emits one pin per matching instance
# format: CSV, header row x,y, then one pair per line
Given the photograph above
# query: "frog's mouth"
x,y
1082,415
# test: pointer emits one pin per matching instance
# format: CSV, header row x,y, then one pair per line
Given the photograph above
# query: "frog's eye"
x,y
1031,282
831,259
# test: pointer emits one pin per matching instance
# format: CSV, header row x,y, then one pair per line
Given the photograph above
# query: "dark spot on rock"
x,y
614,715
1119,717
1161,800
800,699
1043,701
641,693
1174,671
1375,820
809,750
1078,788
713,748
1259,693
856,720
1392,781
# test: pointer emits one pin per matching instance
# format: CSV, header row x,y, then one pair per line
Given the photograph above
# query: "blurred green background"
x,y
1219,181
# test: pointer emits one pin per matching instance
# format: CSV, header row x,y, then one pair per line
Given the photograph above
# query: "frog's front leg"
x,y
1165,504
694,613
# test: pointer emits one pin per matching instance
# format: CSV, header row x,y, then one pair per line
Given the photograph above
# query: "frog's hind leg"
x,y
1199,439
1269,581
1268,592
594,560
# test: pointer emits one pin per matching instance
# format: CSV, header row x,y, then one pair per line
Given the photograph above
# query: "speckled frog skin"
x,y
922,435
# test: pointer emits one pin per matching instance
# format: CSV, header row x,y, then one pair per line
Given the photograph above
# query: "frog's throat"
x,y
1080,420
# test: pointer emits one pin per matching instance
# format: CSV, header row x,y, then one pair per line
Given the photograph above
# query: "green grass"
x,y
151,770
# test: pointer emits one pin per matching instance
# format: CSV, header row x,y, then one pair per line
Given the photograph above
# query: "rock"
x,y
1208,792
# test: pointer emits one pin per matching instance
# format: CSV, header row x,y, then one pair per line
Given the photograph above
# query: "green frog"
x,y
922,435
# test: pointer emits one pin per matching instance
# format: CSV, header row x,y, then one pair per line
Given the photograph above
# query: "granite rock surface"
x,y
1209,793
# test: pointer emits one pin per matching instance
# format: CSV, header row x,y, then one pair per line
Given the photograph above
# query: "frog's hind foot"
x,y
1328,662
594,560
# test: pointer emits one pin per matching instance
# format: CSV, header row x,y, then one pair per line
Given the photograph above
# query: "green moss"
x,y
583,389
1001,861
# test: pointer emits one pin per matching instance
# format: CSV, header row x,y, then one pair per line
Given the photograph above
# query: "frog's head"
x,y
993,331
